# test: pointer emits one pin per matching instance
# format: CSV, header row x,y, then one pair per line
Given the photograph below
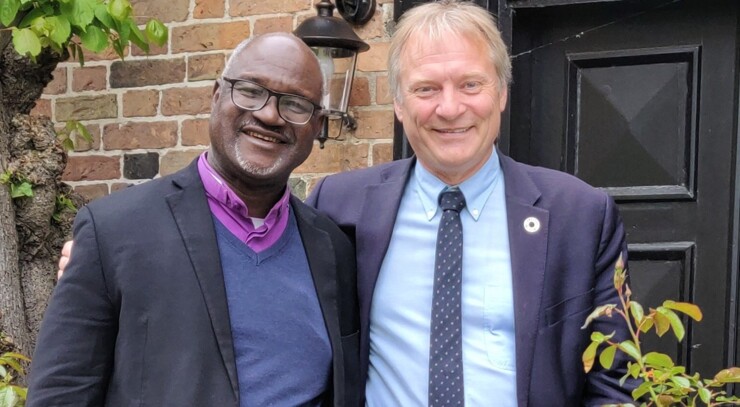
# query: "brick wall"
x,y
148,115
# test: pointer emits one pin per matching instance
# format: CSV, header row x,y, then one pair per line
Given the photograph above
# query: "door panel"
x,y
639,98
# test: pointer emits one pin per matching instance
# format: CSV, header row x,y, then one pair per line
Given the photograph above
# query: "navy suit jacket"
x,y
141,317
560,274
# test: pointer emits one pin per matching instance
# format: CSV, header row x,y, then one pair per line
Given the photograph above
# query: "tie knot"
x,y
452,199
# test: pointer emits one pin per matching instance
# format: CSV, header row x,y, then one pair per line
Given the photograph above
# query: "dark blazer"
x,y
140,317
560,273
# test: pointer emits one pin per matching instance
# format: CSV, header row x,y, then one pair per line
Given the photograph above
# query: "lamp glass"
x,y
338,70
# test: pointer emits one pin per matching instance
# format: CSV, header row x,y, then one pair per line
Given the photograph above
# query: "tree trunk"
x,y
30,239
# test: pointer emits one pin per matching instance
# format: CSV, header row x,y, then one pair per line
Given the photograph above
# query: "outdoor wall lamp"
x,y
336,45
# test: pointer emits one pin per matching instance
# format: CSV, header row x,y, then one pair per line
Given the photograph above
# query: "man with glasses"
x,y
213,286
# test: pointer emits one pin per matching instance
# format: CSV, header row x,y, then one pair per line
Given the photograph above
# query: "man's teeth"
x,y
455,130
263,137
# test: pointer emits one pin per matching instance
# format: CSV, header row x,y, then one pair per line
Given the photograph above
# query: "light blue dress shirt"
x,y
401,309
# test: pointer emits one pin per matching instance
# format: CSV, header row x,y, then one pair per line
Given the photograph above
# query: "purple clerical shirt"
x,y
233,213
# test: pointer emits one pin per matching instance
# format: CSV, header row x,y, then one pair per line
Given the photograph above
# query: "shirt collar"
x,y
477,189
217,189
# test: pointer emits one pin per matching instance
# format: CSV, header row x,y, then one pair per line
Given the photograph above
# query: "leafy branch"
x,y
12,395
57,24
663,382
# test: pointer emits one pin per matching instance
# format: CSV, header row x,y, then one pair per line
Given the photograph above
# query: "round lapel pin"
x,y
531,224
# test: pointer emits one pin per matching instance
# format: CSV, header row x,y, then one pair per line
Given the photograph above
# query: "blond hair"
x,y
440,19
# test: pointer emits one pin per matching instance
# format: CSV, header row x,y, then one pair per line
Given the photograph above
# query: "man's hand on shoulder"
x,y
66,254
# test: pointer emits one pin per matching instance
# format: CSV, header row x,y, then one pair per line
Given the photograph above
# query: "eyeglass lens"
x,y
251,96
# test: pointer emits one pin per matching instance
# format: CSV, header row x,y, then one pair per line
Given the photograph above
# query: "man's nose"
x,y
269,113
449,104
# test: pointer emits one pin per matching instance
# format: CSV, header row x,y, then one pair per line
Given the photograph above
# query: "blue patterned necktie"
x,y
445,353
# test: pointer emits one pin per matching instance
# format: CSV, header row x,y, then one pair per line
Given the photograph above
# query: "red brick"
x,y
176,160
273,24
374,124
146,72
211,36
165,11
209,8
375,59
58,85
360,95
108,54
241,8
383,94
382,153
135,135
92,192
195,132
42,108
205,67
83,145
154,49
92,167
89,78
86,108
186,100
335,157
375,28
140,103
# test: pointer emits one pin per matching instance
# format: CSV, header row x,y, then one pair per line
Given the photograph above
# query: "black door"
x,y
640,98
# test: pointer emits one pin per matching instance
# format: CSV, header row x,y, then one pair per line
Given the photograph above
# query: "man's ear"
x,y
216,93
398,109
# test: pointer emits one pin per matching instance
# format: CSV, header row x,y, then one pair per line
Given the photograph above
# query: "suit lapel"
x,y
528,254
375,227
193,217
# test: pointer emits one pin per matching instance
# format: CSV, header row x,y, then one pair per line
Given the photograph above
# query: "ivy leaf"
x,y
156,32
80,13
731,375
94,39
31,16
26,42
705,395
8,11
8,397
138,37
59,29
641,390
687,308
82,131
119,9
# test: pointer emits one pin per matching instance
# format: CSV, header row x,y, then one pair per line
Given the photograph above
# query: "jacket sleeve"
x,y
602,386
74,352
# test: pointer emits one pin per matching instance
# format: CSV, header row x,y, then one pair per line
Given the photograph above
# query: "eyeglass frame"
x,y
270,93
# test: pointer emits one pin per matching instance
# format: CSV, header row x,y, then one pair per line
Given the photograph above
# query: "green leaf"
x,y
82,131
119,9
3,371
8,11
26,42
80,13
633,369
681,381
589,355
137,37
599,337
641,390
8,397
101,13
94,39
607,357
662,324
156,32
630,349
59,29
31,16
705,395
21,190
686,307
675,322
638,314
731,375
656,359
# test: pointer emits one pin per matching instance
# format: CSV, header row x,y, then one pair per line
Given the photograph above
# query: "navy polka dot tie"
x,y
445,351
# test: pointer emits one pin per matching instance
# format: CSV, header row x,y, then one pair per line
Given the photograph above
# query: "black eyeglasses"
x,y
252,96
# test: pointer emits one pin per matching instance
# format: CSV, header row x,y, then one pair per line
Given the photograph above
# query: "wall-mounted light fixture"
x,y
336,45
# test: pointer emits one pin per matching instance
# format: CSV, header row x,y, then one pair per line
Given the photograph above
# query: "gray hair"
x,y
438,20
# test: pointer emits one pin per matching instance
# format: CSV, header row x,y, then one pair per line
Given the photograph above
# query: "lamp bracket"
x,y
357,12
